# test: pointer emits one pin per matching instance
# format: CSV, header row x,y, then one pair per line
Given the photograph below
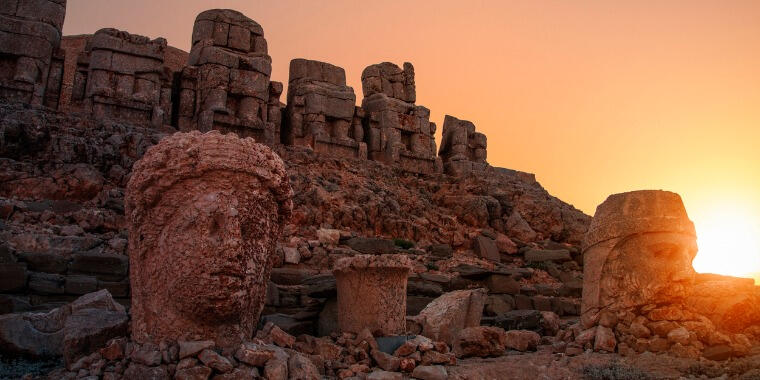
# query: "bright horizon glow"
x,y
728,236
594,97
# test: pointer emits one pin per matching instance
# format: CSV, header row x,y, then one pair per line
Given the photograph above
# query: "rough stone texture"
x,y
462,149
638,251
480,341
372,293
193,203
522,340
226,83
640,291
320,110
31,64
732,304
122,76
73,330
399,133
448,314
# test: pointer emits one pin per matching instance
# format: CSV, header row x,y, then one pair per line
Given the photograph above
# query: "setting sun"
x,y
728,236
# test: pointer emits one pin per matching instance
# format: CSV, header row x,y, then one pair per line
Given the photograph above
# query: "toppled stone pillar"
x,y
372,293
321,110
640,291
30,62
204,212
462,149
122,76
226,84
398,132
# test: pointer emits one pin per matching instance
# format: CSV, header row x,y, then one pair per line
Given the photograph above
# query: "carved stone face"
x,y
214,250
648,268
205,212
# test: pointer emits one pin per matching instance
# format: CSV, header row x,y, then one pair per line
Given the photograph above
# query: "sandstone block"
x,y
480,341
443,318
522,340
372,293
486,248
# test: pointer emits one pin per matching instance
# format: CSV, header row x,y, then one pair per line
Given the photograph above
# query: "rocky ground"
x,y
63,235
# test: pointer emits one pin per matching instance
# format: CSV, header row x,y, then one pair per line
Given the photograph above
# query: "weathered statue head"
x,y
204,212
637,251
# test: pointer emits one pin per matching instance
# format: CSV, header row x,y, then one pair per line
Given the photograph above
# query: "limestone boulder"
x,y
480,341
444,317
71,331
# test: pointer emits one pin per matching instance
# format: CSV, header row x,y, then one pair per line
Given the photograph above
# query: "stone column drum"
x,y
372,293
204,212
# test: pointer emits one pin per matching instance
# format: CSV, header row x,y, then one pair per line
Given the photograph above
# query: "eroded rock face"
x,y
372,293
638,251
122,76
72,330
226,83
640,292
30,61
452,312
321,110
463,150
204,214
399,132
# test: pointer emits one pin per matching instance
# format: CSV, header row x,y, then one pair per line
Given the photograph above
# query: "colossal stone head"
x,y
637,251
204,212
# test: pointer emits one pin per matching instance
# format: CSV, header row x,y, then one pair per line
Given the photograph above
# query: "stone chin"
x,y
210,297
650,268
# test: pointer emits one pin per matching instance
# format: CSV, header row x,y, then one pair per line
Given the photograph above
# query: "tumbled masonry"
x,y
225,85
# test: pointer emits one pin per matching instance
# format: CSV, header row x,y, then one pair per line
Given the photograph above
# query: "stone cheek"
x,y
372,294
203,228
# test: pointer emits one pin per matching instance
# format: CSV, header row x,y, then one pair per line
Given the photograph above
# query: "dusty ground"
x,y
596,366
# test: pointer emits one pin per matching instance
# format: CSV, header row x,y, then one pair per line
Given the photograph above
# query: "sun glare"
x,y
729,241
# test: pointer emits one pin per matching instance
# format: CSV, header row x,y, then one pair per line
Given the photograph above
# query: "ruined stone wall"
x,y
321,110
122,76
463,150
226,83
398,132
31,66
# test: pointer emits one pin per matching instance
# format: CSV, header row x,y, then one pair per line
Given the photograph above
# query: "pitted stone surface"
x,y
31,65
226,83
399,132
463,150
204,212
372,293
122,76
321,110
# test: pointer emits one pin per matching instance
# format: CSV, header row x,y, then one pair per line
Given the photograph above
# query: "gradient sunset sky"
x,y
594,97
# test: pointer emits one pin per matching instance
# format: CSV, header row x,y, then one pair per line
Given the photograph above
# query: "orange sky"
x,y
595,97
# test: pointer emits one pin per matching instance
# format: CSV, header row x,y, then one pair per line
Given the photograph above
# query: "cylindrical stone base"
x,y
372,293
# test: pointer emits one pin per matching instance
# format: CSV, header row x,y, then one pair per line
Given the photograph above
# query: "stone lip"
x,y
360,262
638,212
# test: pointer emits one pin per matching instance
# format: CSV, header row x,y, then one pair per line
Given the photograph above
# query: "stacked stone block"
x,y
226,84
463,150
398,132
321,110
31,65
122,76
